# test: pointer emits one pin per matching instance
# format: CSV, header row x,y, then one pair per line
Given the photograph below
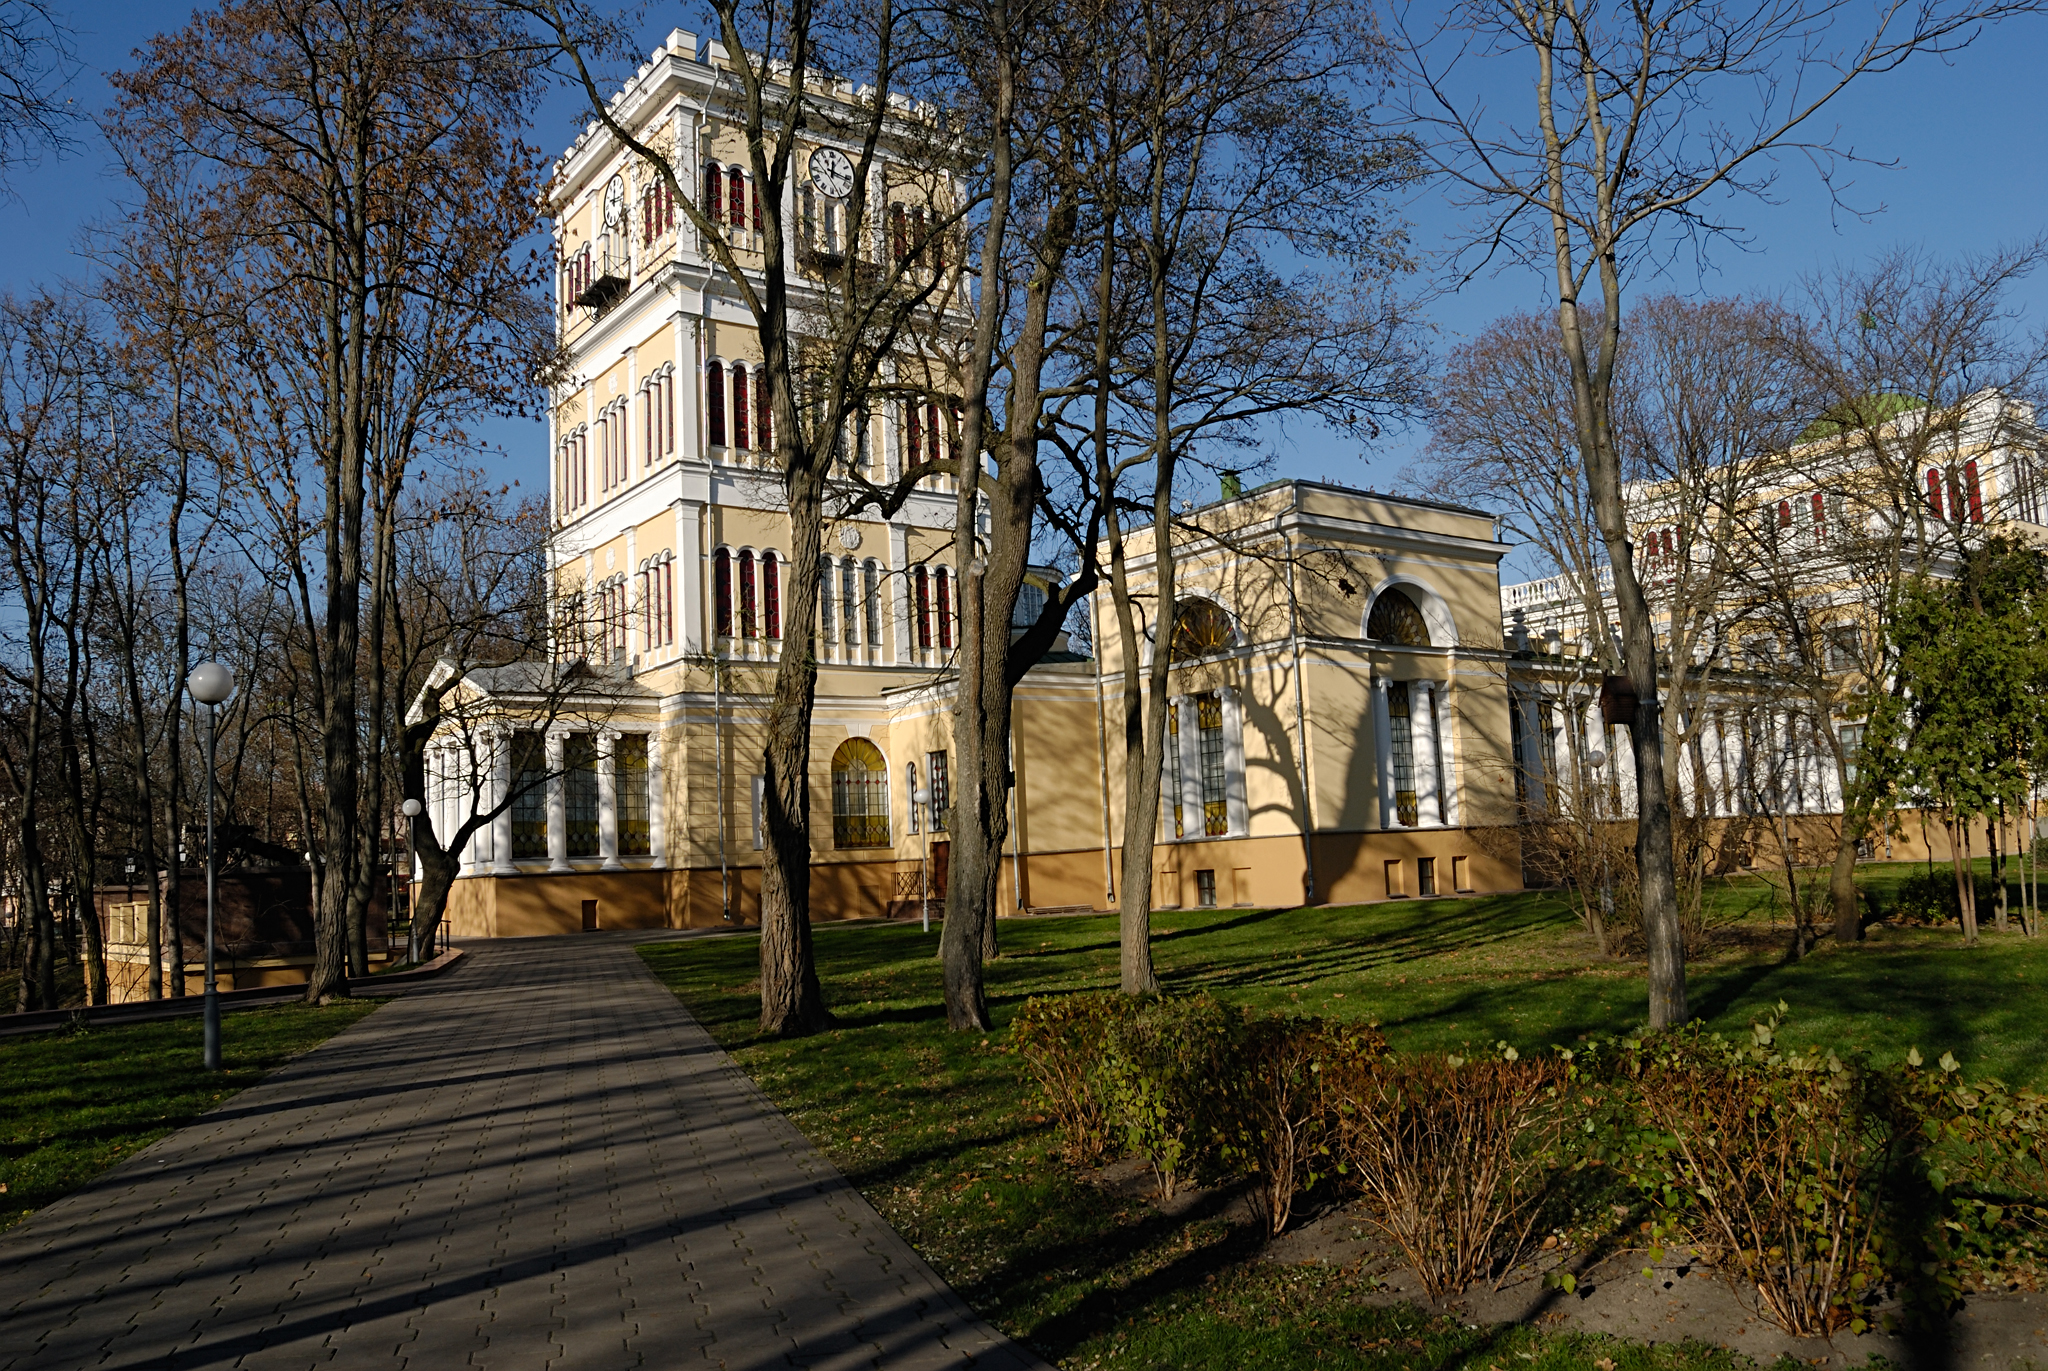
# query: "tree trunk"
x,y
792,1002
1842,886
981,724
1966,903
1994,829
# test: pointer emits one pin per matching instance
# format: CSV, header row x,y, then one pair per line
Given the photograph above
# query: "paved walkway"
x,y
538,1161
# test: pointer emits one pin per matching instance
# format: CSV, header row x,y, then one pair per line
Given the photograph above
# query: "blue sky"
x,y
1969,134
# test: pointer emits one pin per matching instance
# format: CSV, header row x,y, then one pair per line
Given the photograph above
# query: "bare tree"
x,y
1642,121
357,173
1208,165
36,61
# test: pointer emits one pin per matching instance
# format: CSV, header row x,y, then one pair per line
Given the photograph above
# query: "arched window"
x,y
739,407
1395,619
668,411
945,581
582,468
771,595
746,595
764,418
714,191
1974,492
1030,604
736,198
931,431
721,591
1200,627
1934,492
860,795
714,404
664,577
1820,519
913,447
921,585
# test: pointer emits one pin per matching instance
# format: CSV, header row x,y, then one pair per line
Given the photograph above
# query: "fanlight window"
x,y
860,795
1395,619
1200,627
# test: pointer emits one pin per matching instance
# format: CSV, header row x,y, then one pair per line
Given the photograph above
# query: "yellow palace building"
x,y
1340,723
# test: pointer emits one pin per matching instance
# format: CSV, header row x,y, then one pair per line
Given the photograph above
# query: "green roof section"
x,y
1866,412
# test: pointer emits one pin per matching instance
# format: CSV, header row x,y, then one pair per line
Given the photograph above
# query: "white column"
x,y
558,808
899,589
1190,797
1447,743
1429,811
608,799
657,798
500,787
1383,742
690,575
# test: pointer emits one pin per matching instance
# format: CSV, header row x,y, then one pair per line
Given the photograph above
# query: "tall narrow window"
x,y
647,424
668,411
739,407
529,796
945,581
630,778
899,239
714,191
757,208
940,780
1974,492
931,432
736,197
764,413
668,600
771,595
913,447
921,587
1401,754
1209,749
746,595
849,595
1169,789
579,793
871,601
714,404
1820,519
828,590
1934,492
721,591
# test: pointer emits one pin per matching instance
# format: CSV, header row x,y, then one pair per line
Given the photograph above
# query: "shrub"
x,y
1277,1090
1061,1039
1453,1155
1929,897
1772,1165
1156,1082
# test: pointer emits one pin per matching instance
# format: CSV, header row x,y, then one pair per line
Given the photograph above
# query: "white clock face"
x,y
831,173
615,203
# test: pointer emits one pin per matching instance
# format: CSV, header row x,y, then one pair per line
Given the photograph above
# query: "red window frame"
x,y
721,592
714,404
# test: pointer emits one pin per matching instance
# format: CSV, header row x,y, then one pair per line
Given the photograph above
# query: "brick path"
x,y
539,1161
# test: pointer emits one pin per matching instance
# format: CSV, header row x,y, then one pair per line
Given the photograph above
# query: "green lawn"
x,y
78,1103
939,1131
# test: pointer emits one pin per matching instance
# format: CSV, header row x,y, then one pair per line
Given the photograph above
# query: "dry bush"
x,y
1278,1091
1060,1038
1155,1072
1453,1155
1773,1166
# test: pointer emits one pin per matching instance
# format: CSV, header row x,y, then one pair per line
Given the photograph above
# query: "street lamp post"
x,y
411,810
922,797
1596,759
210,684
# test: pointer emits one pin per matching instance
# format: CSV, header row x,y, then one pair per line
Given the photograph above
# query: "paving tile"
x,y
539,1161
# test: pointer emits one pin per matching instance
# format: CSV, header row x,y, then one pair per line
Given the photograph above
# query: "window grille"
x,y
746,595
771,595
1401,754
872,601
579,793
529,796
1209,750
1170,788
860,795
630,776
939,780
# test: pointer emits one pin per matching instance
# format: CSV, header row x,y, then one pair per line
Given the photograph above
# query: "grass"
x,y
83,1101
939,1129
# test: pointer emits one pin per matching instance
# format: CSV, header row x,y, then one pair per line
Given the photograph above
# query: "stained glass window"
x,y
1209,750
579,793
1200,627
630,777
1395,619
860,795
1401,753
